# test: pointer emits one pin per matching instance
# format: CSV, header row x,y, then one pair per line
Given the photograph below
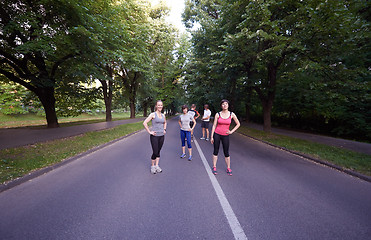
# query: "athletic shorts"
x,y
204,124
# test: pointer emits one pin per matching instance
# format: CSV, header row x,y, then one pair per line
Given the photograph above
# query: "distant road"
x,y
16,137
110,194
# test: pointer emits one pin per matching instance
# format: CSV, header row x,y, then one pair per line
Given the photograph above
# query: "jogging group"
x,y
187,121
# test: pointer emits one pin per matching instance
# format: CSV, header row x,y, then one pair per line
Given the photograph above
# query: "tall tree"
x,y
37,38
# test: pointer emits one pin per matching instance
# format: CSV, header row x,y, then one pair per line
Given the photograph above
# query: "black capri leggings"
x,y
225,143
156,143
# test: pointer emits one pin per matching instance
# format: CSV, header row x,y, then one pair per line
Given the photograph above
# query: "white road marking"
x,y
228,211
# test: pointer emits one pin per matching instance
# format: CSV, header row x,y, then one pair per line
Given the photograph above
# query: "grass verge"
x,y
37,121
17,162
347,159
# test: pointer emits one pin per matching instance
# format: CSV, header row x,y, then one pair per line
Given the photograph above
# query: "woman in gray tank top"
x,y
157,135
185,131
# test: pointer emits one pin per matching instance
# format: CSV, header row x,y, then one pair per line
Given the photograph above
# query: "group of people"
x,y
187,121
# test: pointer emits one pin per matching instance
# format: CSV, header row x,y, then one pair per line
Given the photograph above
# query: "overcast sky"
x,y
176,9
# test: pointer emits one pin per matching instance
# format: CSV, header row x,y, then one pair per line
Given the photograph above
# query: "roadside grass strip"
x,y
228,211
343,158
38,121
17,162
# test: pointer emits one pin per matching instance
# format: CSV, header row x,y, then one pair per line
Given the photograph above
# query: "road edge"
x,y
316,160
42,171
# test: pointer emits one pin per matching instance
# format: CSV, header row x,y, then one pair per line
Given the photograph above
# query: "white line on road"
x,y
228,211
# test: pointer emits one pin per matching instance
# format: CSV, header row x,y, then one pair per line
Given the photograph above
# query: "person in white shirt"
x,y
205,122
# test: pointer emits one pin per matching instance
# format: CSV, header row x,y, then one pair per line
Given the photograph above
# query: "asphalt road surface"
x,y
110,194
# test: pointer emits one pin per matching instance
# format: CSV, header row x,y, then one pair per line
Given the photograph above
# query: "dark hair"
x,y
206,106
193,105
223,101
184,106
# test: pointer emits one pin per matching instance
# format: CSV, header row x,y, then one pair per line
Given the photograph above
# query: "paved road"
x,y
110,194
16,137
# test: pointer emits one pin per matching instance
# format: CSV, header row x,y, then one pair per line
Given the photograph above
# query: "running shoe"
x,y
229,171
190,158
207,139
158,169
202,138
153,169
183,155
214,171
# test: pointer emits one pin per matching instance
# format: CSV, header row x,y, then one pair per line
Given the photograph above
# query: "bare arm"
x,y
234,117
198,115
194,123
145,124
165,125
213,129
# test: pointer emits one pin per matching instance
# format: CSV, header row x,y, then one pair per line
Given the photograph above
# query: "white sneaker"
x,y
153,169
158,169
202,138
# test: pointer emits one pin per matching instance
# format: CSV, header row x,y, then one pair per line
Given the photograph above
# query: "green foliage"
x,y
12,98
310,58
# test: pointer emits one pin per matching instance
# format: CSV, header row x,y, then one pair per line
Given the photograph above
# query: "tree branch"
x,y
16,79
58,63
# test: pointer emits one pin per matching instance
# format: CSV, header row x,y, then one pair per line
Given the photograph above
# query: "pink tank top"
x,y
223,125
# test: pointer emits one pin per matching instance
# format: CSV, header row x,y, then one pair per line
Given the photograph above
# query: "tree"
x,y
252,44
37,38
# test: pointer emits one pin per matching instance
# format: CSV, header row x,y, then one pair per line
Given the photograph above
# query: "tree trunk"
x,y
248,105
232,94
268,97
107,95
268,102
46,96
247,112
145,109
267,108
132,107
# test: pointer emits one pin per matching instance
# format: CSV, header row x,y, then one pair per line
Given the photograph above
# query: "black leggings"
x,y
225,143
156,143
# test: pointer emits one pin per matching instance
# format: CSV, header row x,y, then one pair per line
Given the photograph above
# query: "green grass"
x,y
34,120
16,162
348,159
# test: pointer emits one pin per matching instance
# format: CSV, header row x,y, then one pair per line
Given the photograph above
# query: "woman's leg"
x,y
182,138
160,140
154,145
225,143
188,135
216,148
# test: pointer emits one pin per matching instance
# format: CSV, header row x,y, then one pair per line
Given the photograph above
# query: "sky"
x,y
176,9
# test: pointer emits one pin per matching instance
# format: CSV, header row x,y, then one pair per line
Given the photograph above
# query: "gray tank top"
x,y
158,124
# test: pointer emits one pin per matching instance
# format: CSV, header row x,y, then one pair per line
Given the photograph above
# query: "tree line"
x,y
302,64
58,50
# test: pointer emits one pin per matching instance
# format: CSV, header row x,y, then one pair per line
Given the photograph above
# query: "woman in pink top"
x,y
221,132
